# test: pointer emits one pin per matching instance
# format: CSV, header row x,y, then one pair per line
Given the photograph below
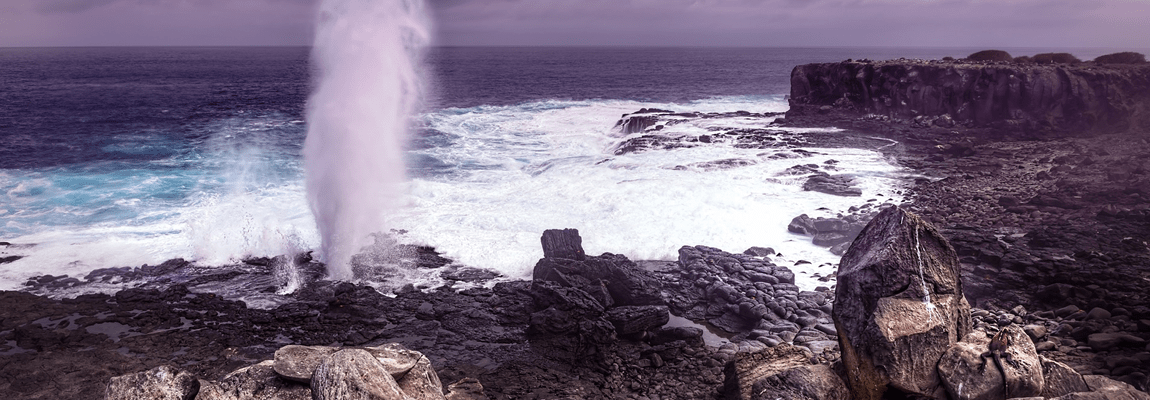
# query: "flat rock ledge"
x,y
389,371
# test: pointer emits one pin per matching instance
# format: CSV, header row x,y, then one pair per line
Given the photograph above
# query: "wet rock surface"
x,y
1043,99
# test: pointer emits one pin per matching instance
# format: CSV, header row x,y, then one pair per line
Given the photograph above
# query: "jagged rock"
x,y
639,120
838,185
563,243
813,382
160,383
396,359
635,319
466,389
255,382
968,377
420,382
760,251
353,374
749,368
297,363
1073,99
1105,388
1059,379
627,284
898,307
802,224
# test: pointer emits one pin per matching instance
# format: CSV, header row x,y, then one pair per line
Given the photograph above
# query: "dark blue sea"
x,y
116,157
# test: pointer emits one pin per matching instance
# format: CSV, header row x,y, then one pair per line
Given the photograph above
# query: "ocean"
x,y
121,157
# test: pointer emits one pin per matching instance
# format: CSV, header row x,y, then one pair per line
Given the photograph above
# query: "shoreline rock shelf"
x,y
1049,98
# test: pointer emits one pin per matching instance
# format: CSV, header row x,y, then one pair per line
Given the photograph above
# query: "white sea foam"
x,y
509,173
548,165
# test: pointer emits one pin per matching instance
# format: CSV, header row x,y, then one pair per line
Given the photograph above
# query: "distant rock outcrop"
x,y
1077,99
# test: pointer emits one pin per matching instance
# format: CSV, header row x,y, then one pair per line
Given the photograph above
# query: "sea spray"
x,y
366,55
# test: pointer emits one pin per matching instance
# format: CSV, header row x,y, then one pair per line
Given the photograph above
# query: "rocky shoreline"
x,y
1049,232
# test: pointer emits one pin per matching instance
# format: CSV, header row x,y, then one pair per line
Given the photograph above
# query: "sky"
x,y
759,23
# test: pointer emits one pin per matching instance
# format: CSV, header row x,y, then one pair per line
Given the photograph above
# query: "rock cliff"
x,y
1087,98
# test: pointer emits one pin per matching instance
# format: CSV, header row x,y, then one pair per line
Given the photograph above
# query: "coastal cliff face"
x,y
1083,98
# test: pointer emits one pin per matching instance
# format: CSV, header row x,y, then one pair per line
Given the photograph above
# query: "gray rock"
x,y
1060,379
803,225
353,374
160,383
967,375
255,382
1112,389
890,334
750,367
466,389
297,363
1036,332
1097,313
395,358
563,243
420,382
1110,340
627,283
814,382
635,319
759,251
830,239
1066,311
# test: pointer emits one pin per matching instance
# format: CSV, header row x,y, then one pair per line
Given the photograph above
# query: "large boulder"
x,y
611,278
353,374
421,382
254,382
898,307
813,382
782,372
295,362
562,243
160,383
626,284
969,376
396,359
635,319
1060,379
1105,388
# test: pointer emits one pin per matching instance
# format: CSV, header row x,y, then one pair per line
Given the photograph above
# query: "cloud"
x,y
793,22
69,6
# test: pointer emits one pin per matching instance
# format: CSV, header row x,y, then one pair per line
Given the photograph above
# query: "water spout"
x,y
368,84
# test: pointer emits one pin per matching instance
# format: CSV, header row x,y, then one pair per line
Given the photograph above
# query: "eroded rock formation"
x,y
898,306
1076,99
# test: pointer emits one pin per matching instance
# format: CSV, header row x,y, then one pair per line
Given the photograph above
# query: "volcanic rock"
x,y
160,383
1050,98
564,243
255,382
297,363
899,306
353,374
967,375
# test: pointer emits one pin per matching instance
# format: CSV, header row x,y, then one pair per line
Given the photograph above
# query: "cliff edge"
x,y
1075,99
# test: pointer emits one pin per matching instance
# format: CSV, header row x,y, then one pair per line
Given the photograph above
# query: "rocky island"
x,y
1017,268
